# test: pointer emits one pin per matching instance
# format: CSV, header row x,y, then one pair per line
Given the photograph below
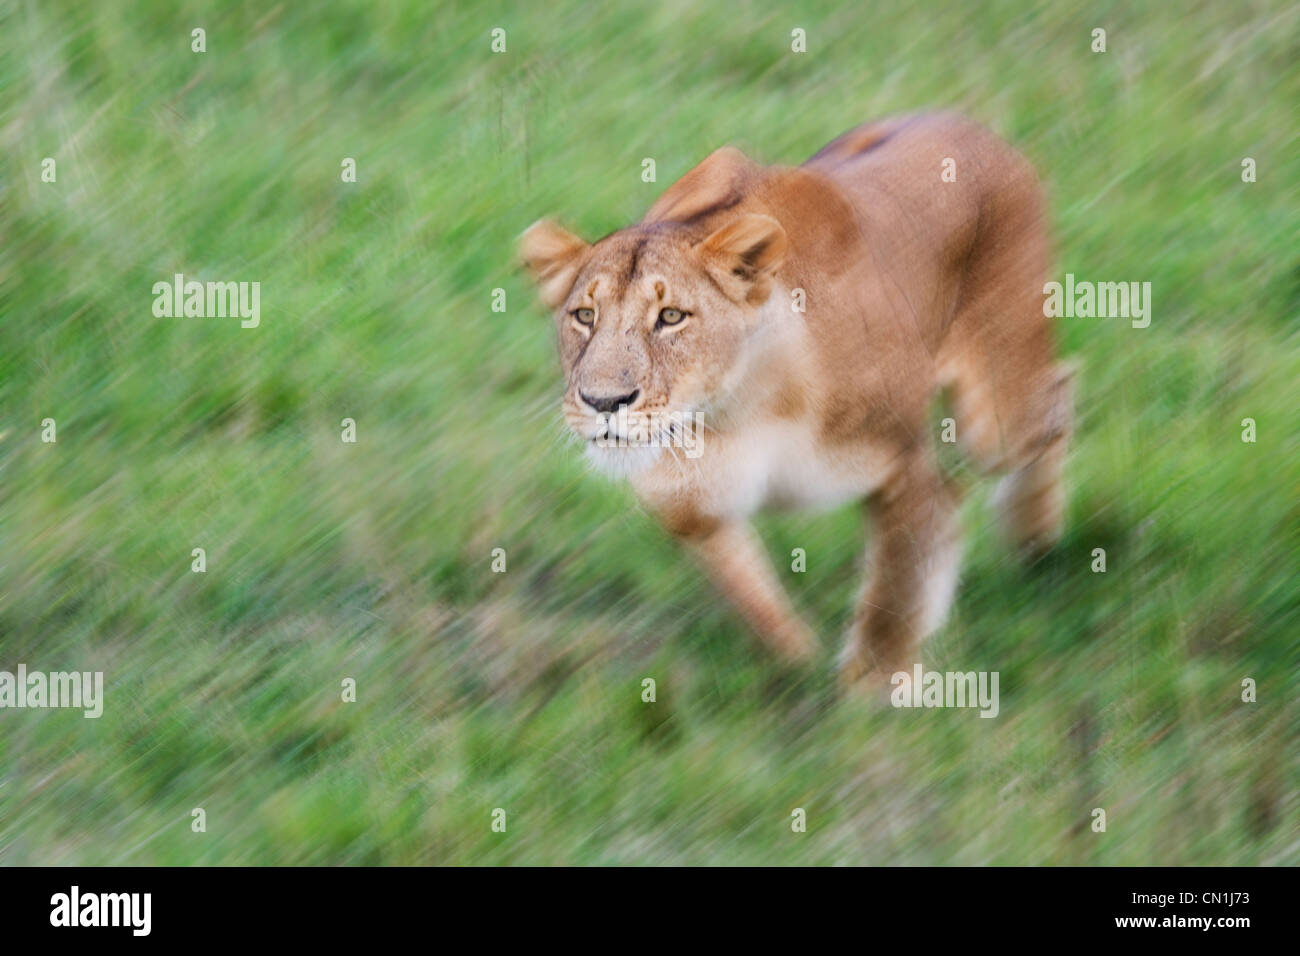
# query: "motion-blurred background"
x,y
522,690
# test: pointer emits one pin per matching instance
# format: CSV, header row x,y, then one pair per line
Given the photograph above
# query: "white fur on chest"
x,y
779,465
775,465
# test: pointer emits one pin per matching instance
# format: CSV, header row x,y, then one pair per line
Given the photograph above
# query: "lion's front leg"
x,y
732,554
914,564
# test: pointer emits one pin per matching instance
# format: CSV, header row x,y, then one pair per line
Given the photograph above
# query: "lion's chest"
x,y
775,465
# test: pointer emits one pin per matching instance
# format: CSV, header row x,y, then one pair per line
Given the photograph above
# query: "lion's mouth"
x,y
644,430
616,439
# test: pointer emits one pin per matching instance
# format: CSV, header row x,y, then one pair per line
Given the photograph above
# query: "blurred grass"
x,y
522,690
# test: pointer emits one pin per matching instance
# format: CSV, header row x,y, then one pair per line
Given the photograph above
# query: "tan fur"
x,y
911,285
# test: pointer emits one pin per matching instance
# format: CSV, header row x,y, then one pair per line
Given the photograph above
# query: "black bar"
x,y
925,905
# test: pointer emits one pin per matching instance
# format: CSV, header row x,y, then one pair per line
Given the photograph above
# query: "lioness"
x,y
799,322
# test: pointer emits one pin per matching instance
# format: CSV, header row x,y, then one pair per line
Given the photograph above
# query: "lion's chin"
x,y
621,462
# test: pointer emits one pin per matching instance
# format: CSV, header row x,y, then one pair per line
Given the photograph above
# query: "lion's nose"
x,y
603,403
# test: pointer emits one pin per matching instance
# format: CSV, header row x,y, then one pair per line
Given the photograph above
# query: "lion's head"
x,y
653,320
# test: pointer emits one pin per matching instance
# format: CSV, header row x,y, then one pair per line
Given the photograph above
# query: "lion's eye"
x,y
585,316
670,316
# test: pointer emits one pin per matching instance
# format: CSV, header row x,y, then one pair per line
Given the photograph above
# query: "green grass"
x,y
522,690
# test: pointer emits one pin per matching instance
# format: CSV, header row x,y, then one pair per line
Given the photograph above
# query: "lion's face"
x,y
652,321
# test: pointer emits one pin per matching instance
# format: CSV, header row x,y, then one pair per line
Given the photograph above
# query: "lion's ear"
x,y
743,256
553,255
719,179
